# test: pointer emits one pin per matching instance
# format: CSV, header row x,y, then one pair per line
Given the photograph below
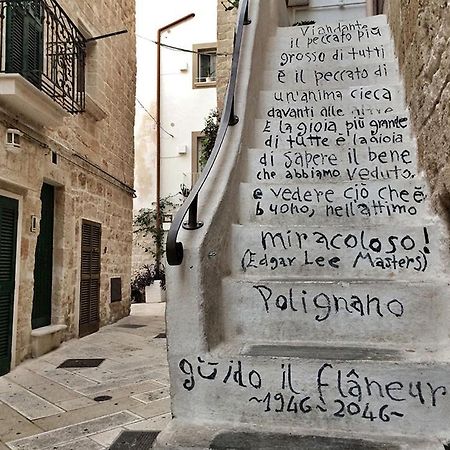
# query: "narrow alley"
x,y
45,406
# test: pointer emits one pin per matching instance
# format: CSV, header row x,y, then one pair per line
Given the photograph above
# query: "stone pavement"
x,y
46,407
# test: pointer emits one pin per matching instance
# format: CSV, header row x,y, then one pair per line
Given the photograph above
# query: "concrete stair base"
x,y
383,395
312,309
184,435
46,339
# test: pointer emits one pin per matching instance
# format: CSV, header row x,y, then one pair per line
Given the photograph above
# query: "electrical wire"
x,y
172,47
179,49
107,176
154,120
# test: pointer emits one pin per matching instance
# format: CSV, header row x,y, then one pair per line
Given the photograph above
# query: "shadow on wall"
x,y
145,160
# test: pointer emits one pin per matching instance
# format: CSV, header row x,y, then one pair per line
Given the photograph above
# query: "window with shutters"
x,y
42,44
90,278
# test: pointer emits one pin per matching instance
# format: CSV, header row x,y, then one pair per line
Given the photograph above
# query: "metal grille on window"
x,y
40,42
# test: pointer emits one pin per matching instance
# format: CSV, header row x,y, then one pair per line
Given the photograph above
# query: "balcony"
x,y
42,57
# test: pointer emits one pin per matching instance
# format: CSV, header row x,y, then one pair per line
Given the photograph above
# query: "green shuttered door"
x,y
43,264
8,240
90,278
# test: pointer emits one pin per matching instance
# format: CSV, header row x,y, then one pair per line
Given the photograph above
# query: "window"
x,y
204,67
91,237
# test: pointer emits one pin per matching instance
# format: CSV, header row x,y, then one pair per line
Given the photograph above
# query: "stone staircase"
x,y
331,330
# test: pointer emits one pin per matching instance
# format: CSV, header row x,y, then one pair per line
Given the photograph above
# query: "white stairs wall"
x,y
332,323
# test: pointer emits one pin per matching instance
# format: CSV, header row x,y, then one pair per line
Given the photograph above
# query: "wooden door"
x,y
8,243
43,263
90,278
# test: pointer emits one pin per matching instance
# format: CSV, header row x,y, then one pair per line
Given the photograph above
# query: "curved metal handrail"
x,y
174,249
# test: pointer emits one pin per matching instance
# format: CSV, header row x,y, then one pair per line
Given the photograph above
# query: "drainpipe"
x,y
158,126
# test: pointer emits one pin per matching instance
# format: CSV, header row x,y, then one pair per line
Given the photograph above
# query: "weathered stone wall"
x,y
226,23
93,176
110,72
421,30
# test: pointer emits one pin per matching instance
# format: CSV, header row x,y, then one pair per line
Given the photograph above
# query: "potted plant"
x,y
146,225
144,277
209,76
155,289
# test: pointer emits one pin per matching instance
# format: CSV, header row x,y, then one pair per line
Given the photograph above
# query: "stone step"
x,y
288,63
353,397
361,163
235,435
339,252
333,103
338,57
394,315
339,26
295,40
337,132
352,203
331,77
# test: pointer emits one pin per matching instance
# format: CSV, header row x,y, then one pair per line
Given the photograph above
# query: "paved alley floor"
x,y
46,407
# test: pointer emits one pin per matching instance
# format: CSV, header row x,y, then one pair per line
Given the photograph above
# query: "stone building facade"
x,y
79,165
421,30
226,23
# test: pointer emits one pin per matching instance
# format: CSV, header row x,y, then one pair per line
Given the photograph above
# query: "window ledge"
x,y
205,84
94,109
20,97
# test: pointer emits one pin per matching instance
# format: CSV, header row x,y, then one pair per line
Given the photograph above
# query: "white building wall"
x,y
325,11
183,109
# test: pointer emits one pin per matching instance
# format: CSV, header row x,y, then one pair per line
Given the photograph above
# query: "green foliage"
x,y
212,122
145,224
230,4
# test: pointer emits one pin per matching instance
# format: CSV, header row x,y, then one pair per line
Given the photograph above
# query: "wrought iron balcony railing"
x,y
40,42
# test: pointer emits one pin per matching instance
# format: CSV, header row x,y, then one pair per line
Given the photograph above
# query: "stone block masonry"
x,y
421,31
226,21
91,170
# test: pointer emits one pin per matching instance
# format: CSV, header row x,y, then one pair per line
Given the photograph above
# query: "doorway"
x,y
9,209
43,264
